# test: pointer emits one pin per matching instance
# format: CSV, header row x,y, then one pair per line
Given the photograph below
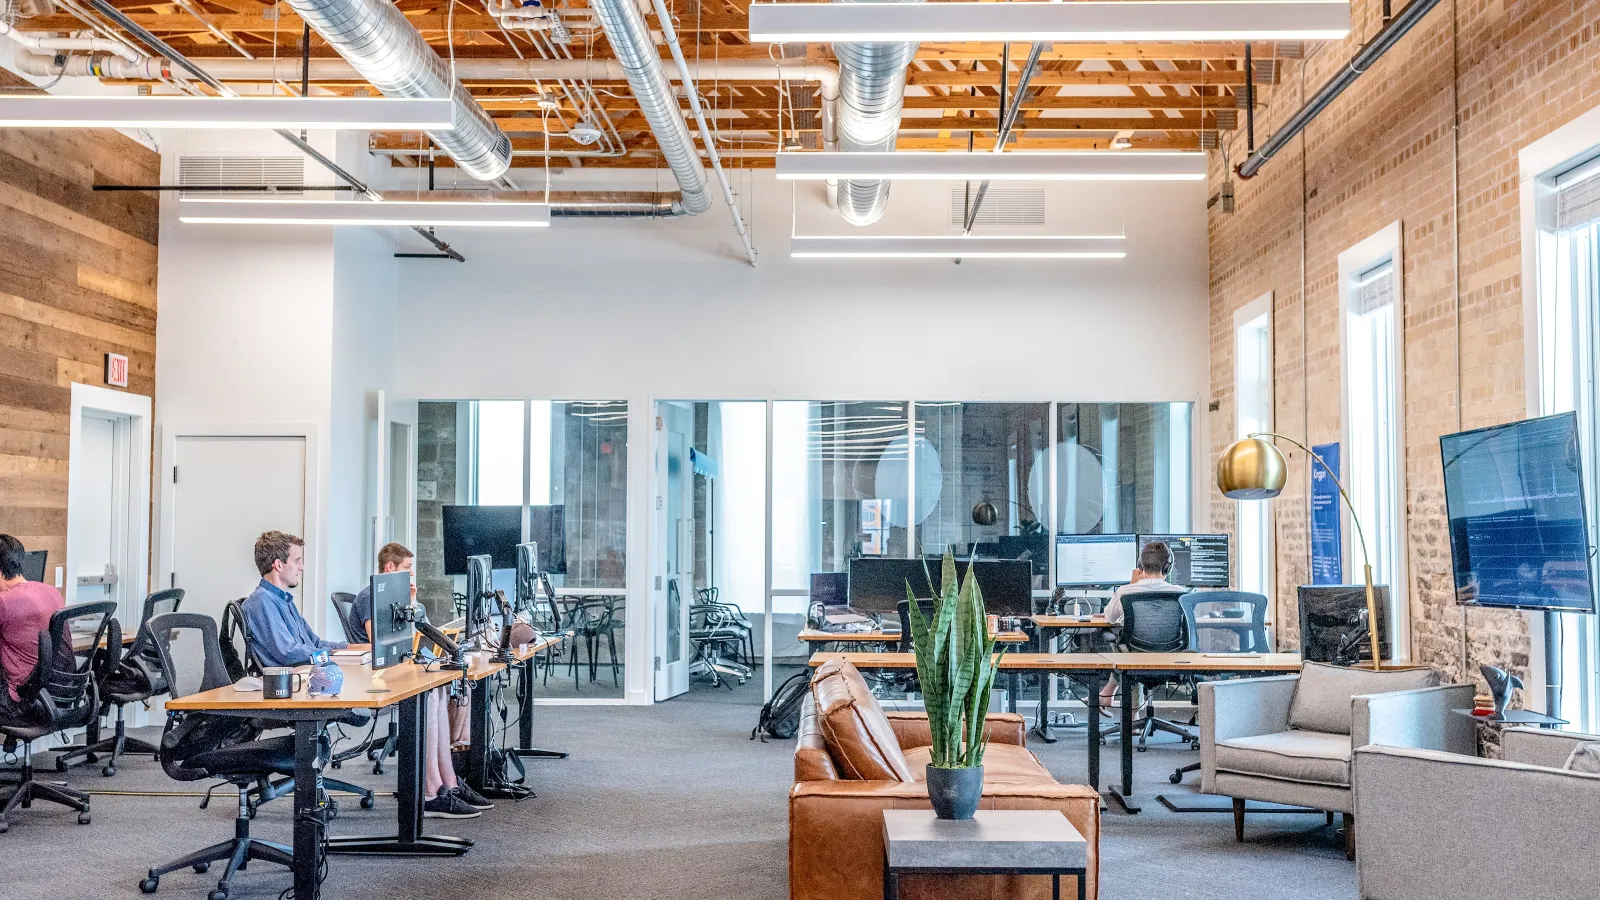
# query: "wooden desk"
x,y
812,636
1070,622
406,684
81,640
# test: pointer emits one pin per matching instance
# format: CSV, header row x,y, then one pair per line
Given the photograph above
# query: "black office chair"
x,y
376,749
591,619
252,664
60,694
1223,622
344,604
198,745
135,679
1153,623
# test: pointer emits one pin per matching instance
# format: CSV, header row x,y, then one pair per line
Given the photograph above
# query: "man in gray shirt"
x,y
1155,563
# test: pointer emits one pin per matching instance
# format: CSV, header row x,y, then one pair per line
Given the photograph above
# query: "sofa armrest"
x,y
911,728
1540,746
836,831
1431,826
1243,707
1420,719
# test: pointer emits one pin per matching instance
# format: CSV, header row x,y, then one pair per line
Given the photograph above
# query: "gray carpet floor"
x,y
670,801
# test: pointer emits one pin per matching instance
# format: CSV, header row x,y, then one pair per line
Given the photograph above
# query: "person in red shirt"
x,y
25,611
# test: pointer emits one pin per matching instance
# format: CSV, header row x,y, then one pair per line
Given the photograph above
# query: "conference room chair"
x,y
717,642
1223,622
591,620
1154,623
60,694
134,679
549,620
735,617
198,745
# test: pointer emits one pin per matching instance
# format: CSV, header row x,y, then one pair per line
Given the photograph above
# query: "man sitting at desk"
x,y
1155,562
279,635
25,611
448,720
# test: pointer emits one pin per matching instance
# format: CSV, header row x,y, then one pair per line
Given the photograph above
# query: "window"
x,y
1123,468
1252,390
1371,301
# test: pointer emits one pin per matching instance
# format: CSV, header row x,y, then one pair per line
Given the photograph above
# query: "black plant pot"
x,y
955,792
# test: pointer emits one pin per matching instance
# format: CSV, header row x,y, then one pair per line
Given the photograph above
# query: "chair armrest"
x,y
1539,746
911,728
1245,707
1421,719
1430,824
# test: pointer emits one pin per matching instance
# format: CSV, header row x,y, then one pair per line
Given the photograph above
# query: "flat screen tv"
x,y
497,530
1519,536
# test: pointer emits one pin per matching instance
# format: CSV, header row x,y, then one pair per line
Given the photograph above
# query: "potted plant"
x,y
955,669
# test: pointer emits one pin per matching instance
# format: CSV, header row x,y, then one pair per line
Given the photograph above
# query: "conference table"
x,y
1093,669
406,684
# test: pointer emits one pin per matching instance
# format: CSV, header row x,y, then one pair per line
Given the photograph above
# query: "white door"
x,y
226,491
97,520
674,569
402,472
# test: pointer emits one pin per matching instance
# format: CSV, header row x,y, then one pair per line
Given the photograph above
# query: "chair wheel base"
x,y
1175,778
218,894
201,868
368,802
108,771
149,885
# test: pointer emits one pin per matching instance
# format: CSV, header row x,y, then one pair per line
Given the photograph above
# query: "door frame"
x,y
133,568
311,434
661,678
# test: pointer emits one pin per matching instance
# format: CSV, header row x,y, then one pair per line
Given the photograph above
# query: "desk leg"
x,y
1014,682
409,841
482,726
891,883
1043,727
1093,703
308,815
1123,797
525,747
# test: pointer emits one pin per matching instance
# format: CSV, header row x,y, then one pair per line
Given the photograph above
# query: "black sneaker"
x,y
448,806
472,798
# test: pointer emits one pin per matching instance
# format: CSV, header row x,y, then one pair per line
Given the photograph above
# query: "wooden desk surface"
x,y
398,683
1008,661
811,635
1070,622
481,663
1205,662
82,640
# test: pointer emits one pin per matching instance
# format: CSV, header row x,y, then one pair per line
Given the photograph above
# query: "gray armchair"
x,y
1436,826
1289,739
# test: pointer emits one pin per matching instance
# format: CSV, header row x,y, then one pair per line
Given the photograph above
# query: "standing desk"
x,y
406,685
481,667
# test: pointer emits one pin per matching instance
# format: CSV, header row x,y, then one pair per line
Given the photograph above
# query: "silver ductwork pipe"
x,y
382,46
872,88
641,64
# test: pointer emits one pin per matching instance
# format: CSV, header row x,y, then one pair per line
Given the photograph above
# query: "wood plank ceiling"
x,y
1157,96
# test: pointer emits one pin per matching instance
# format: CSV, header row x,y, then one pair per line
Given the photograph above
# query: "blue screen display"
x,y
1519,536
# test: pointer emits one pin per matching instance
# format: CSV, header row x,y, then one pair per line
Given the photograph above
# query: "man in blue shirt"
x,y
279,635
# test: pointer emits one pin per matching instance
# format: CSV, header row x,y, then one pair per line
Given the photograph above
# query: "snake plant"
x,y
955,668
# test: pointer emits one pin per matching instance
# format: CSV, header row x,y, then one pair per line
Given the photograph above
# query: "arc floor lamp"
x,y
1253,468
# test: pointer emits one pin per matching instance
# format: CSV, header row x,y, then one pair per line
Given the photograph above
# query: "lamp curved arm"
x,y
1361,537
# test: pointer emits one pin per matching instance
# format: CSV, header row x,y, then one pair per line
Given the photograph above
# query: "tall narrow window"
x,y
1252,383
1372,383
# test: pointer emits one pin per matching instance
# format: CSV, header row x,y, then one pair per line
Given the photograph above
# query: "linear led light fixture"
x,y
479,214
937,247
351,113
1081,20
1021,165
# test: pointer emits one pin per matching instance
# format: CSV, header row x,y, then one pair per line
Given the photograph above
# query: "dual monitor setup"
x,y
1106,560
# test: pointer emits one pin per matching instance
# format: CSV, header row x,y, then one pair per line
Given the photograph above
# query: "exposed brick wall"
x,y
436,489
1384,152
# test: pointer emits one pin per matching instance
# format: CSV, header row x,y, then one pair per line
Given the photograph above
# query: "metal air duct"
x,y
641,64
872,87
379,42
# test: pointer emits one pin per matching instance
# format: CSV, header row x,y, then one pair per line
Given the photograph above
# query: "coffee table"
x,y
993,842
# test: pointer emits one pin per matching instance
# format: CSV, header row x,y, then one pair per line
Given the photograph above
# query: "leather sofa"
x,y
853,760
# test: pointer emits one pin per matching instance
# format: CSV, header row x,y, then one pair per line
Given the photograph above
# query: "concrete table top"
x,y
994,839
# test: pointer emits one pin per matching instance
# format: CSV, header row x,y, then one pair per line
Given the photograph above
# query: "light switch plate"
x,y
61,577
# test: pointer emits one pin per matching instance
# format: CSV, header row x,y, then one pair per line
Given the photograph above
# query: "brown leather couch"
x,y
854,760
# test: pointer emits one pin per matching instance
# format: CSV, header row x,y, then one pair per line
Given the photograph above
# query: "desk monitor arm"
x,y
457,659
507,617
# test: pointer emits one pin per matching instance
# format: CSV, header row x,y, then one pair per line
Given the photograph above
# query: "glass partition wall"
x,y
550,471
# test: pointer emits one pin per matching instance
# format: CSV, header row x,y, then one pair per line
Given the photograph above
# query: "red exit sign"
x,y
116,370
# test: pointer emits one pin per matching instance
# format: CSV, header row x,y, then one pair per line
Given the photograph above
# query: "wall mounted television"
x,y
1519,535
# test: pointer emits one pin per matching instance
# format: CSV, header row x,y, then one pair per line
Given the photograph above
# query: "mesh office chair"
x,y
344,604
197,745
1154,623
1223,622
60,694
135,679
376,749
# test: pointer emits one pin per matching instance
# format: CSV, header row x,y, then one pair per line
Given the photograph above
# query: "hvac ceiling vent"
x,y
240,171
1004,204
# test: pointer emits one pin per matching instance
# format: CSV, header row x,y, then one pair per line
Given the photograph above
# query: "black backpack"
x,y
780,717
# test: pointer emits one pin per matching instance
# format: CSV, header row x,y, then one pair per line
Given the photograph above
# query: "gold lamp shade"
x,y
1251,469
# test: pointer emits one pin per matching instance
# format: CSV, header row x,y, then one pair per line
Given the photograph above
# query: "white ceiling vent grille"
x,y
1002,205
231,171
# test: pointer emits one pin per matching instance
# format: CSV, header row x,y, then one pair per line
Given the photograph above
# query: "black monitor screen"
x,y
391,634
830,588
1006,584
480,586
481,530
547,528
1333,623
1198,560
527,576
1033,547
1095,560
878,583
33,564
1518,529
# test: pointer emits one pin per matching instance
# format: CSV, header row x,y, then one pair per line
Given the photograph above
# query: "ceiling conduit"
x,y
378,41
872,87
641,64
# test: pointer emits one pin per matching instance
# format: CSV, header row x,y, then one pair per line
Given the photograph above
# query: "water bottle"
x,y
1077,608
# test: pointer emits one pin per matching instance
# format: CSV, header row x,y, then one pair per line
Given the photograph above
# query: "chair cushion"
x,y
859,736
271,756
1309,757
1002,764
1322,697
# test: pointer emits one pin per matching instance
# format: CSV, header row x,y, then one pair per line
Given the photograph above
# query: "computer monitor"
x,y
1333,623
527,577
1095,560
391,623
480,530
830,588
547,527
1033,547
878,583
1006,584
1198,560
33,564
480,590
